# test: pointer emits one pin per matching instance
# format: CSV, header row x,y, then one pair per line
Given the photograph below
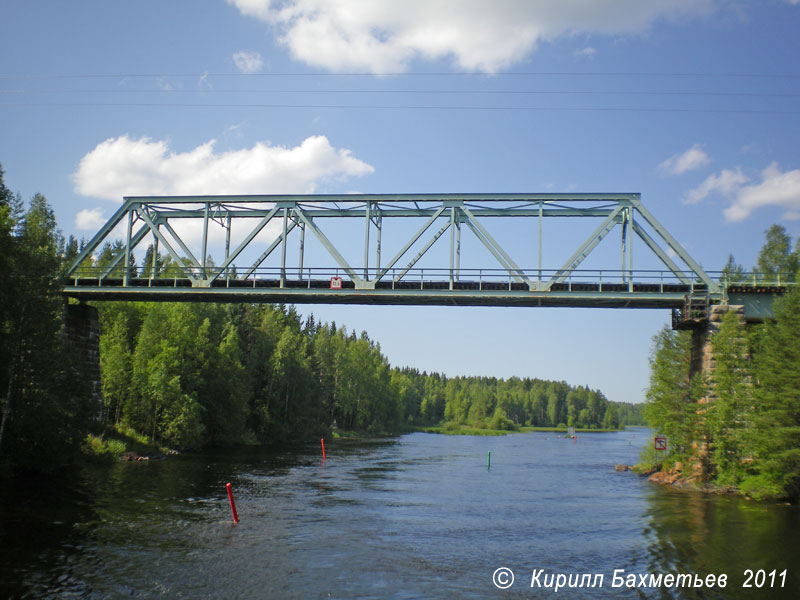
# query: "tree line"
x,y
193,374
742,423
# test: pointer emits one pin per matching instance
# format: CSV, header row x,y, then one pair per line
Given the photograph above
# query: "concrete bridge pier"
x,y
83,333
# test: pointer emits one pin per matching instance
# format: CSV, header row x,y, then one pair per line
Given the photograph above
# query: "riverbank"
x,y
466,430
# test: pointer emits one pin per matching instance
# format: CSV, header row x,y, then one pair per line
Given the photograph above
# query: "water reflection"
x,y
418,516
700,533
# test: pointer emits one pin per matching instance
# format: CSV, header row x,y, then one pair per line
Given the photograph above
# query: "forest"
x,y
741,424
192,375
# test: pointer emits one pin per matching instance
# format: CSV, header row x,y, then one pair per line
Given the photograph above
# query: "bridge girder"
x,y
160,219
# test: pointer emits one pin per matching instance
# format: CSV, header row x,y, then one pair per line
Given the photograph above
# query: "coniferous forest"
x,y
742,423
191,375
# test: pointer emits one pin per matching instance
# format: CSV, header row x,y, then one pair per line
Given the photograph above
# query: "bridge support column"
x,y
702,363
83,333
702,360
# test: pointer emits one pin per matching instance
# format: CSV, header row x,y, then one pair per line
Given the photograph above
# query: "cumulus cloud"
x,y
383,36
690,160
726,183
123,166
89,219
248,62
775,188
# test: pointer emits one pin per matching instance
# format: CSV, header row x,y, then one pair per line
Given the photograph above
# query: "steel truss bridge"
x,y
265,224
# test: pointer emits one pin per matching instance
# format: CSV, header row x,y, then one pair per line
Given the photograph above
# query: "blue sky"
x,y
692,103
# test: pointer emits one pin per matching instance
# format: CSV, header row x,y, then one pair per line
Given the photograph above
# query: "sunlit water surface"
x,y
419,516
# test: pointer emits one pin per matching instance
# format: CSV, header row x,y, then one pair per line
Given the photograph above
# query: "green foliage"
x,y
99,447
670,406
775,434
776,256
45,403
751,422
732,272
729,416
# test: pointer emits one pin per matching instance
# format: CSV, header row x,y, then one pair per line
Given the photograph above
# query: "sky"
x,y
691,103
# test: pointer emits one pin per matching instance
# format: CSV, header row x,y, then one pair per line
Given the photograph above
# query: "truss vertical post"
x,y
624,230
452,241
227,246
630,250
378,224
283,244
458,247
366,240
205,240
154,272
128,249
302,248
541,215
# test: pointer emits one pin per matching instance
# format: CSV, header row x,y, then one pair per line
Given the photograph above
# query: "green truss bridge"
x,y
258,249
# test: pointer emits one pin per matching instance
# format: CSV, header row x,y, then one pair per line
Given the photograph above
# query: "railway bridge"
x,y
401,249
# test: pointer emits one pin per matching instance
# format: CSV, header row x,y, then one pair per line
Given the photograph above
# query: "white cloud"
x,y
587,52
776,188
89,219
248,62
726,183
123,166
690,160
383,36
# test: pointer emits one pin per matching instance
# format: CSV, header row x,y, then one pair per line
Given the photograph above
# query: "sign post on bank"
x,y
660,442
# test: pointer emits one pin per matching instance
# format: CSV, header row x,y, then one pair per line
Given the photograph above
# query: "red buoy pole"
x,y
233,504
322,441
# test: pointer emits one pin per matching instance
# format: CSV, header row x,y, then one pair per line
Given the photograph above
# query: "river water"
x,y
418,516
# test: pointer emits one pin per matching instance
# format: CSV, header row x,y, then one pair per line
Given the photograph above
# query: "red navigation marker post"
x,y
322,441
660,442
233,504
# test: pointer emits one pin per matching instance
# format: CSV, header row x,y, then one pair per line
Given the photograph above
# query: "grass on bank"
x,y
116,441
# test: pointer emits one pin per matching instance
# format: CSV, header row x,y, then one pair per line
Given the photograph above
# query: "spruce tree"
x,y
775,438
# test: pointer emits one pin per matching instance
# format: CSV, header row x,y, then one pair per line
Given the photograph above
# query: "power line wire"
x,y
408,74
399,107
396,91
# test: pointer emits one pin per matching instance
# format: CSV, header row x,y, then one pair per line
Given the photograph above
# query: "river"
x,y
418,516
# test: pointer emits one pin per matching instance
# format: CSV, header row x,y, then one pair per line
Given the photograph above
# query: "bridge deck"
x,y
463,293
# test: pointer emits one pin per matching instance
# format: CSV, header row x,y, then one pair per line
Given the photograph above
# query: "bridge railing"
x,y
616,280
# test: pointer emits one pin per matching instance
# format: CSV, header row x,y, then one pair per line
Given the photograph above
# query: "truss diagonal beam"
x,y
178,260
248,238
328,245
410,243
420,254
270,249
100,235
138,237
651,243
676,247
589,245
496,249
184,247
